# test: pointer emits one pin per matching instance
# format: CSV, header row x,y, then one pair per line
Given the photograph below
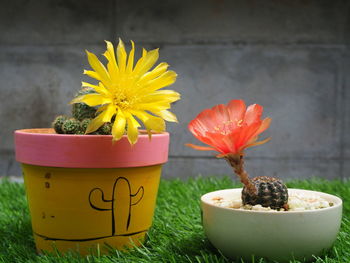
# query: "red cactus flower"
x,y
229,129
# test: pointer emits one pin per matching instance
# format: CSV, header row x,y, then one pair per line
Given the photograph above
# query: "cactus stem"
x,y
236,161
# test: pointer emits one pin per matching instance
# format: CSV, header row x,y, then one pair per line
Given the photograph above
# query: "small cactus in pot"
x,y
229,130
82,115
58,122
81,111
71,126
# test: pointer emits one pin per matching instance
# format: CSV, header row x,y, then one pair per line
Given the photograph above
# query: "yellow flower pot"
x,y
84,192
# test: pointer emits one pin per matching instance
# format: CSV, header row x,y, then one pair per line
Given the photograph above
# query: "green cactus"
x,y
84,124
82,116
79,132
71,126
105,129
58,122
81,111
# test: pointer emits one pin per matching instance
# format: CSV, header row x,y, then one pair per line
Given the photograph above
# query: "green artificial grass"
x,y
176,235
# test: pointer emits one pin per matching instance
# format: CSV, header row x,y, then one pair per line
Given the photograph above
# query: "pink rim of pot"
x,y
44,147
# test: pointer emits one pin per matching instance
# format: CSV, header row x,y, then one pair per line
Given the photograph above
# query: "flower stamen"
x,y
239,123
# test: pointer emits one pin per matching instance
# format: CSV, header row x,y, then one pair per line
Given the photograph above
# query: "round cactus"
x,y
58,122
105,129
71,126
269,192
84,124
79,132
82,116
81,111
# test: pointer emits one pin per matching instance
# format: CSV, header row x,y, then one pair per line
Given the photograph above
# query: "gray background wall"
x,y
292,57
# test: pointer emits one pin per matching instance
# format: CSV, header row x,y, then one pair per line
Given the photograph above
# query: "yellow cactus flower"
x,y
127,91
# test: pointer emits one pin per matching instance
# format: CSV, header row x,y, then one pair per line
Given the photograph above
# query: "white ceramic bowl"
x,y
279,236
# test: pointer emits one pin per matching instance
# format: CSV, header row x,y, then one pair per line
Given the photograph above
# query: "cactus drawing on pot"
x,y
229,130
120,215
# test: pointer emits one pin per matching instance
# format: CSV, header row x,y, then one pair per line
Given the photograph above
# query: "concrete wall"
x,y
292,57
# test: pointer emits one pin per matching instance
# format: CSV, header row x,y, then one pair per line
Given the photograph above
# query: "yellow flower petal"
x,y
92,100
140,61
161,95
112,66
121,55
94,125
167,115
118,128
131,59
151,122
156,72
132,129
153,106
164,80
101,108
108,113
155,124
102,90
98,68
102,118
147,62
92,74
109,53
99,89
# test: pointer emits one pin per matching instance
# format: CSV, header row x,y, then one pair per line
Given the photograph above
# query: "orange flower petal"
x,y
204,121
258,143
200,148
264,125
253,114
232,139
196,127
236,109
220,114
252,140
230,144
217,140
246,133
